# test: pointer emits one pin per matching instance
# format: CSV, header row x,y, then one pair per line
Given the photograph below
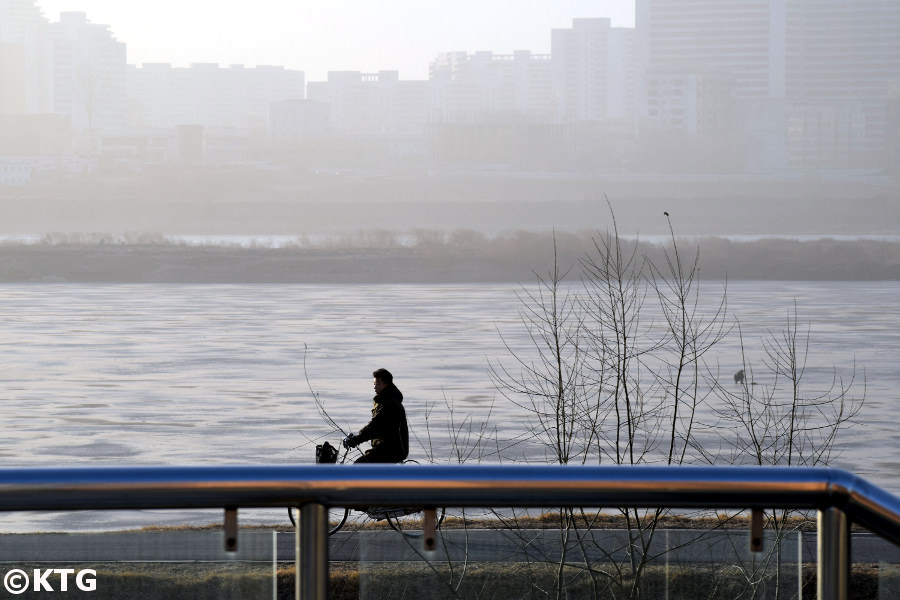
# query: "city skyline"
x,y
405,39
694,86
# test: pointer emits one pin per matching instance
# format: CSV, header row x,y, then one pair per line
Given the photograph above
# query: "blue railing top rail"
x,y
148,487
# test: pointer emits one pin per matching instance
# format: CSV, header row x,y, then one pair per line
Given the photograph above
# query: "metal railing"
x,y
839,497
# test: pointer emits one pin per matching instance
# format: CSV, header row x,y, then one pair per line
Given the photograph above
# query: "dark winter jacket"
x,y
387,430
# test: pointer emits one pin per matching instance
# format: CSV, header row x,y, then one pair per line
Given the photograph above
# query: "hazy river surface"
x,y
214,374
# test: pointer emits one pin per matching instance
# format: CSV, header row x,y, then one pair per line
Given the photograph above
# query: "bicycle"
x,y
395,516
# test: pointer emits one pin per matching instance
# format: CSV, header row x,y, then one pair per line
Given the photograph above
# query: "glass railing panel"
x,y
165,564
721,564
874,567
518,561
887,575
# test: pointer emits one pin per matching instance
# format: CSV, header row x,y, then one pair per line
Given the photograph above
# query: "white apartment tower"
x,y
164,97
487,87
366,104
811,77
594,71
26,67
843,61
742,45
745,38
89,74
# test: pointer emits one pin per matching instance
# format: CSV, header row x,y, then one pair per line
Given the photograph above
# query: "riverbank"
x,y
425,257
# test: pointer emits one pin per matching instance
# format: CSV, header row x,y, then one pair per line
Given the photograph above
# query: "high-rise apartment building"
x,y
843,60
164,97
486,87
594,71
89,74
489,108
364,104
708,41
746,39
371,118
810,76
26,67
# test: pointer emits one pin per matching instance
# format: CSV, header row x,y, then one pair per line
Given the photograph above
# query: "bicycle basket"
x,y
326,454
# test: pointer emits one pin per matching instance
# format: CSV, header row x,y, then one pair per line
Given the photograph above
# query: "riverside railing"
x,y
840,497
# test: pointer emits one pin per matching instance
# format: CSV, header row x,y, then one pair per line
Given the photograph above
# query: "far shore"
x,y
428,258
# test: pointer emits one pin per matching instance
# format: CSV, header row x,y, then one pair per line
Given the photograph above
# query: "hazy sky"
x,y
323,35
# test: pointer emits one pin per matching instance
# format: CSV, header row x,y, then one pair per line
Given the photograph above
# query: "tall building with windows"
x,y
594,84
488,87
489,108
369,118
594,71
843,61
747,39
742,42
364,104
89,74
26,67
811,77
164,97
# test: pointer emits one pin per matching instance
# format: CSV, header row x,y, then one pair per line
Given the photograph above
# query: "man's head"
x,y
383,378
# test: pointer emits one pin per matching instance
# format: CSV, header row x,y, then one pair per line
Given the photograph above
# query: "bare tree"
x,y
554,384
616,369
781,421
616,373
604,385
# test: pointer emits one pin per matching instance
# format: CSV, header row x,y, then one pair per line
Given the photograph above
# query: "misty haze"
x,y
173,237
737,122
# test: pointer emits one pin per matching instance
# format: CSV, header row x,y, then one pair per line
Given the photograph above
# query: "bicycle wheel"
x,y
410,522
336,518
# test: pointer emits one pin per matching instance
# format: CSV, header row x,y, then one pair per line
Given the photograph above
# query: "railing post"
x,y
312,553
834,554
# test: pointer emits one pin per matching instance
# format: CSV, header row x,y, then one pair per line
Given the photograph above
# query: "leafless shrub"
x,y
617,373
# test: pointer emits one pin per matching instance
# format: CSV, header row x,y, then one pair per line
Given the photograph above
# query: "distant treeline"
x,y
767,258
422,256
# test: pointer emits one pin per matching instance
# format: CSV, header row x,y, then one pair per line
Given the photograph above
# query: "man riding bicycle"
x,y
387,430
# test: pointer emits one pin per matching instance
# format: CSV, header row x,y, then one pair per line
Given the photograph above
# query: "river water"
x,y
225,374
